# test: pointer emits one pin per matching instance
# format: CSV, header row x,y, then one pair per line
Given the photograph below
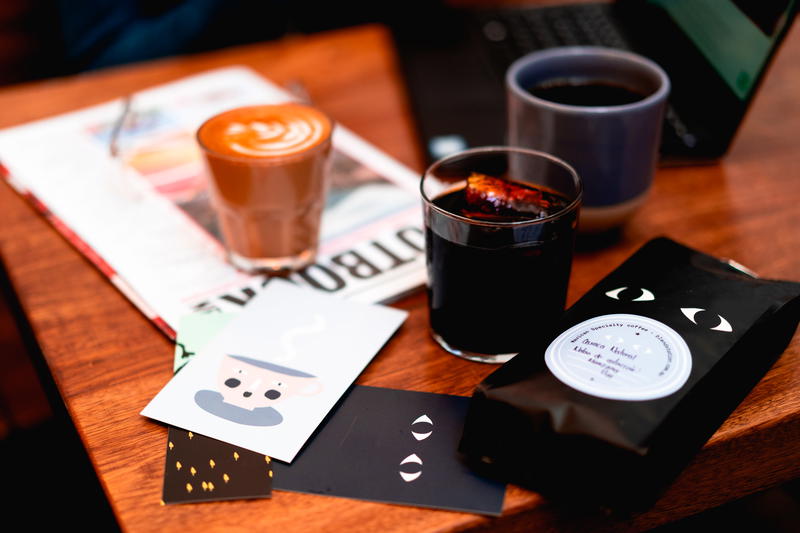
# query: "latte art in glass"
x,y
266,131
277,137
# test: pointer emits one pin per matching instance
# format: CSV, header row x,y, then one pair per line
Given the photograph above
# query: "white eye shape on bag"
x,y
690,313
646,295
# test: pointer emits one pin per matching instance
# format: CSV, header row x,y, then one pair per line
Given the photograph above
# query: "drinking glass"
x,y
495,283
268,166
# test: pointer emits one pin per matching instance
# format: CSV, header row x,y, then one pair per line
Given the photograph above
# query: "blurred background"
x,y
47,38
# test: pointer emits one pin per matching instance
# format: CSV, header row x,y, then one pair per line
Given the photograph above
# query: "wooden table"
x,y
109,361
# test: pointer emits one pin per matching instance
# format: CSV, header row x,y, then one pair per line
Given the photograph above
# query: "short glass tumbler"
x,y
496,282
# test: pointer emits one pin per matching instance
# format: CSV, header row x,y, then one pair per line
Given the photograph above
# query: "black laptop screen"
x,y
716,53
709,24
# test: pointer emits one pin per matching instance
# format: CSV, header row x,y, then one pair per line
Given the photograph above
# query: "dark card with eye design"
x,y
201,469
392,446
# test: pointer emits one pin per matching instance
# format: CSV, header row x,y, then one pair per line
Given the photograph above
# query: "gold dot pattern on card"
x,y
203,469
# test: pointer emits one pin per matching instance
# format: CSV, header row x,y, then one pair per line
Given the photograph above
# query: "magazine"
x,y
125,183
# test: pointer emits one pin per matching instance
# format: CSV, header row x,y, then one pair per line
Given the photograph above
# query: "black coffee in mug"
x,y
610,132
586,92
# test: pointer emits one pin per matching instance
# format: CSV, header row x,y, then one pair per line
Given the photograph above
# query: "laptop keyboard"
x,y
507,34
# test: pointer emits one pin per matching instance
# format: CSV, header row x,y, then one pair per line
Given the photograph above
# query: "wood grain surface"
x,y
109,361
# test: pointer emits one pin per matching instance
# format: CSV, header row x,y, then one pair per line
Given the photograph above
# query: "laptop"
x,y
716,53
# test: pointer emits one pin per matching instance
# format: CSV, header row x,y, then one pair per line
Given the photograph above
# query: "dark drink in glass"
x,y
500,226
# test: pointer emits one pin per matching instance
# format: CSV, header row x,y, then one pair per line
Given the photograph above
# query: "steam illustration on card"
x,y
392,446
273,372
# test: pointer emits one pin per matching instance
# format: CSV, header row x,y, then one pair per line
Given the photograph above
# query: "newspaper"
x,y
131,194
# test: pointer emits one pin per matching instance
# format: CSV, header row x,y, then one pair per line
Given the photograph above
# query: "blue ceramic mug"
x,y
599,109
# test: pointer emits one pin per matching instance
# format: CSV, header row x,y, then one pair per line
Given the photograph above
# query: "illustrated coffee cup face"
x,y
267,167
252,384
599,109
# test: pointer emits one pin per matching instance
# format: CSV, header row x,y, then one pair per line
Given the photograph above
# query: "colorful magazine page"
x,y
125,183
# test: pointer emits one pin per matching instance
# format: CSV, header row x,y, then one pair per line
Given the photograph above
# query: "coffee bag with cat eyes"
x,y
639,373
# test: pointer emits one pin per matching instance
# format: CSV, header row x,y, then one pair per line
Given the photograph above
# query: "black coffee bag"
x,y
638,375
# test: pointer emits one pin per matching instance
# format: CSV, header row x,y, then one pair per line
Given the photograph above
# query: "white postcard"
x,y
273,373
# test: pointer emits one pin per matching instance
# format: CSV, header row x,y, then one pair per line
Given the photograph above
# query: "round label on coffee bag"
x,y
621,357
